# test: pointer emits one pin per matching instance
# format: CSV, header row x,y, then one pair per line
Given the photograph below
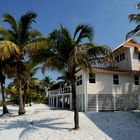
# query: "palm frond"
x,y
79,57
83,31
11,20
4,33
133,32
25,26
138,6
34,34
10,85
37,44
134,17
53,62
7,49
98,51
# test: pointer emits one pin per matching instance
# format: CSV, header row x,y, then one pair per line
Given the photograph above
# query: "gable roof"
x,y
128,43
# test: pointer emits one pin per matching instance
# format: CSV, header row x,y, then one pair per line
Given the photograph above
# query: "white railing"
x,y
66,89
103,65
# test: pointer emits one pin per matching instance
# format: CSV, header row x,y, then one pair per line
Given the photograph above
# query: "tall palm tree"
x,y
66,51
21,33
7,49
135,18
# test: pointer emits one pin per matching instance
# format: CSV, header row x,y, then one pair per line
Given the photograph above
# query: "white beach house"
x,y
114,85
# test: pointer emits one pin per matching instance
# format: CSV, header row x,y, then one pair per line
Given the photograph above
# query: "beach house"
x,y
112,85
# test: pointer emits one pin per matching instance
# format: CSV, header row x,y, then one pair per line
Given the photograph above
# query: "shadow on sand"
x,y
30,127
117,125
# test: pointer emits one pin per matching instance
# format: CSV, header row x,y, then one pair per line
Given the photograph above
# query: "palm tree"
x,y
64,51
7,49
21,34
135,18
28,79
46,82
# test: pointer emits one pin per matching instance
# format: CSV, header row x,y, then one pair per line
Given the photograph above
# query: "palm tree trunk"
x,y
21,106
25,94
75,106
19,71
5,110
30,100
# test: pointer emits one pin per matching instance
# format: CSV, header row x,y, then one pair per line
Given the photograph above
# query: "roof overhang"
x,y
110,70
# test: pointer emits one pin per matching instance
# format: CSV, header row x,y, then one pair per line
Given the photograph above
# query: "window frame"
x,y
79,80
116,80
139,56
136,80
92,78
122,56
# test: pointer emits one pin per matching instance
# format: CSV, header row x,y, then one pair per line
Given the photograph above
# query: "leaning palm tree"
x,y
21,34
135,18
7,49
66,51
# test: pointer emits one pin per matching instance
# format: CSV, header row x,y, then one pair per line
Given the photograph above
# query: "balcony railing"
x,y
66,89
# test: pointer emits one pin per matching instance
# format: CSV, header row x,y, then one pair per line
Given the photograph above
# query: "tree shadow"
x,y
117,125
32,126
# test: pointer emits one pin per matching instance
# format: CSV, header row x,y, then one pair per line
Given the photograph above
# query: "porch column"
x,y
70,101
50,101
56,101
62,101
53,100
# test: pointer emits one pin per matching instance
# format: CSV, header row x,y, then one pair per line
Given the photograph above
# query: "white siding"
x,y
131,61
80,89
126,63
134,59
104,84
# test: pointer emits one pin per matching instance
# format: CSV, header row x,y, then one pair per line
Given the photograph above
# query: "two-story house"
x,y
114,85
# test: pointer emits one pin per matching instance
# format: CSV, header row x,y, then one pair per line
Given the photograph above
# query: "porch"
x,y
61,98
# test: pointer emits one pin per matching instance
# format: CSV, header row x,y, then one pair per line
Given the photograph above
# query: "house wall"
x,y
104,95
126,63
80,89
134,59
104,84
131,61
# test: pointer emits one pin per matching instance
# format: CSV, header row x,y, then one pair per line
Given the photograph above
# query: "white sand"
x,y
42,123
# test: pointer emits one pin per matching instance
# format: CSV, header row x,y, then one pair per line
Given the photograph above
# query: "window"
x,y
139,57
79,80
117,58
136,80
122,56
92,78
115,79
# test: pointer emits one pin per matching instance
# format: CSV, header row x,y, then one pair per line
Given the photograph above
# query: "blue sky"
x,y
109,18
